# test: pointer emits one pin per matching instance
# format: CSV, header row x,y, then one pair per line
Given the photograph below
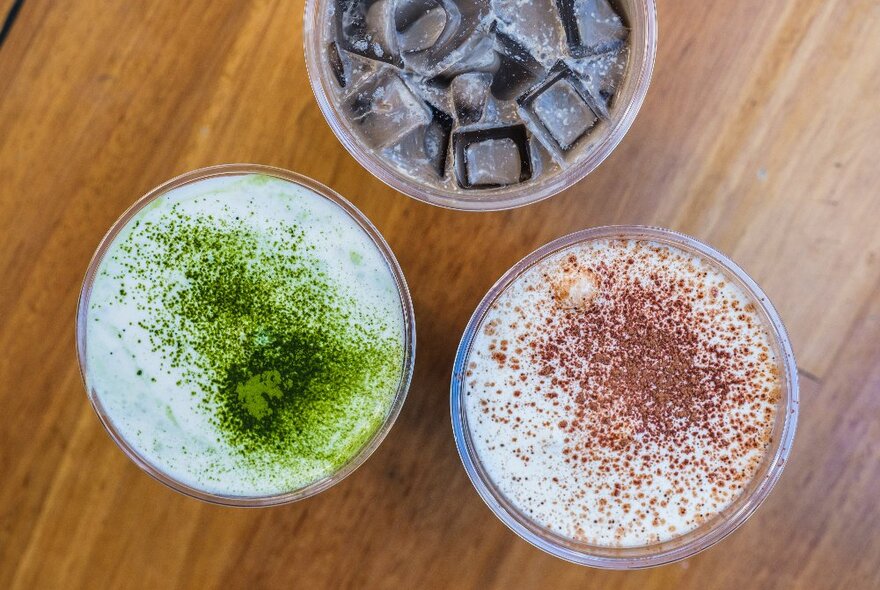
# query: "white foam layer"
x,y
646,485
142,393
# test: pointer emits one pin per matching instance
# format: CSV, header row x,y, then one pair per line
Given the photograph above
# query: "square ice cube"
x,y
469,94
560,110
384,109
602,74
518,70
564,113
487,158
439,48
366,27
494,162
419,24
591,26
600,28
423,152
536,24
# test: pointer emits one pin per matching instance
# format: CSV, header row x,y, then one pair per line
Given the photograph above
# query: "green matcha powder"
x,y
265,340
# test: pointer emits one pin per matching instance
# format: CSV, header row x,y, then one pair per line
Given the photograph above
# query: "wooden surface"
x,y
760,135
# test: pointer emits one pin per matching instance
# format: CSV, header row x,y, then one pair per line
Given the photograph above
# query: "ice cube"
x,y
536,24
469,93
543,162
493,157
419,24
423,152
436,140
460,35
336,64
384,109
591,26
500,112
560,109
480,57
494,162
359,68
366,27
429,90
425,149
518,70
350,69
602,73
564,113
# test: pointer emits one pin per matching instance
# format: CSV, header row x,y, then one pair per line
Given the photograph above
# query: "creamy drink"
x,y
244,336
621,392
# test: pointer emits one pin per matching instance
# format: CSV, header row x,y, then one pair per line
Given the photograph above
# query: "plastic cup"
x,y
409,342
710,532
642,18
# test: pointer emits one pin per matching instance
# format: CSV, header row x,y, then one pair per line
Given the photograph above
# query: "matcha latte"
x,y
244,333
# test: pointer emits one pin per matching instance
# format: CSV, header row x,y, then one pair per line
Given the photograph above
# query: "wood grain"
x,y
759,135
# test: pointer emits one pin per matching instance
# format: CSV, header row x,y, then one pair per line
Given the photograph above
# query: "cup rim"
x,y
492,199
409,344
677,548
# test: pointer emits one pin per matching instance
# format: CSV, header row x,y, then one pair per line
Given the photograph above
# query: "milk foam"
x,y
515,415
148,401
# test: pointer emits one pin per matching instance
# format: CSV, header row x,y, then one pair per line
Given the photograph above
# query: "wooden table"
x,y
760,135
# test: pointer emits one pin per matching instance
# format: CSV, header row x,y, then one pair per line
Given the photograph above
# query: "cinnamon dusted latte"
x,y
621,392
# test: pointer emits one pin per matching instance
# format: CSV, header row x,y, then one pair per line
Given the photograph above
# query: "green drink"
x,y
245,335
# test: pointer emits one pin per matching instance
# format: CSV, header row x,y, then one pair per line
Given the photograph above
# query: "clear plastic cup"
x,y
687,544
642,18
409,343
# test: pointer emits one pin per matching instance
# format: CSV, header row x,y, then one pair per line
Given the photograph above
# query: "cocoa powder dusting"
x,y
643,395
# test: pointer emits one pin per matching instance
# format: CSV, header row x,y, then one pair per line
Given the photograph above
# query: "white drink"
x,y
245,336
621,392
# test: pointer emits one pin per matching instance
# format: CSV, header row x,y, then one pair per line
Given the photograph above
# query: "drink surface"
x,y
469,95
245,336
621,392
